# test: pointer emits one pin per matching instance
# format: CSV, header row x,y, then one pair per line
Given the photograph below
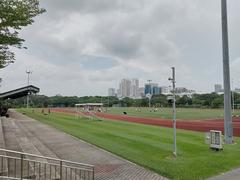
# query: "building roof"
x,y
89,104
20,92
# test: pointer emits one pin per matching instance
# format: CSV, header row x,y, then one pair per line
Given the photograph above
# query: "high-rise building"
x,y
134,88
141,92
218,88
155,89
152,88
148,89
118,93
125,88
111,92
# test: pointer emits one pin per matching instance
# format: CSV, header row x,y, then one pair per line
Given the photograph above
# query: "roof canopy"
x,y
20,92
89,104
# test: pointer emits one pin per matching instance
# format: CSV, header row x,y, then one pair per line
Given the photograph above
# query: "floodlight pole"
x,y
174,112
28,80
228,130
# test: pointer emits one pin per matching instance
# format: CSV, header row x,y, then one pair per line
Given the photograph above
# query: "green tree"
x,y
217,102
128,101
184,100
159,100
14,14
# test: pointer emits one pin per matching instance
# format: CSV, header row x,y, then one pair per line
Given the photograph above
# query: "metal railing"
x,y
18,165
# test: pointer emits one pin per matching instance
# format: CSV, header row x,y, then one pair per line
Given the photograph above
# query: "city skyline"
x,y
131,88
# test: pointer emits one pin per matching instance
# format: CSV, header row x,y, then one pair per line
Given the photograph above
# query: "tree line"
x,y
211,100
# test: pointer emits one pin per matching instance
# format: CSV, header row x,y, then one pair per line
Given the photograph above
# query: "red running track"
x,y
194,125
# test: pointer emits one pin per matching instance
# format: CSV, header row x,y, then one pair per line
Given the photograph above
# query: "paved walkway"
x,y
231,175
22,133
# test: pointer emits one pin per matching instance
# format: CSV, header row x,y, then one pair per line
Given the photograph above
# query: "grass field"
x,y
166,113
149,146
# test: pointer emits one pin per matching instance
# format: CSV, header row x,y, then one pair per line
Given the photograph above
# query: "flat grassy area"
x,y
149,146
166,113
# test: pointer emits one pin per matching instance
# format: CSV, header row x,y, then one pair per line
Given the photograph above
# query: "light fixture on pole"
x,y
228,130
172,79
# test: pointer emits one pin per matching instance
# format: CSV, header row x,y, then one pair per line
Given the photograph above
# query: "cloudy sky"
x,y
82,47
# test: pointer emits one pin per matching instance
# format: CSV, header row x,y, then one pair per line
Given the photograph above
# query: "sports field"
x,y
149,146
166,113
194,125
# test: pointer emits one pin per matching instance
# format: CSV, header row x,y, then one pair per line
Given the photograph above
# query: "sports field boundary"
x,y
201,126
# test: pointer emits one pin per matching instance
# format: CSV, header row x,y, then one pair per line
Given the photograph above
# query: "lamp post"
x,y
172,79
228,130
150,93
28,80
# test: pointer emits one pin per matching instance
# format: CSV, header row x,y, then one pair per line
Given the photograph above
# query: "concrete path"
x,y
22,133
231,175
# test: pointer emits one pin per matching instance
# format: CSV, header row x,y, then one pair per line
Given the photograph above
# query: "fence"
x,y
17,165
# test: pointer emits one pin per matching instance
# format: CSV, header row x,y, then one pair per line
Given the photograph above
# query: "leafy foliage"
x,y
198,100
14,14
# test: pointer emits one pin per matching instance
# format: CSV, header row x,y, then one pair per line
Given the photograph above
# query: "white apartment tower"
x,y
111,92
134,88
125,88
141,93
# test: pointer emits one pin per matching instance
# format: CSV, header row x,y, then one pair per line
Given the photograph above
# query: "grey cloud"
x,y
120,44
107,40
80,6
97,62
161,47
112,32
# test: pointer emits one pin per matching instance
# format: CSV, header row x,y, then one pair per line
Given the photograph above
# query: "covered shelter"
x,y
20,92
89,109
14,94
89,106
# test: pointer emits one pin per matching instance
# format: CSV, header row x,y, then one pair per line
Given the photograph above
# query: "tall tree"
x,y
15,14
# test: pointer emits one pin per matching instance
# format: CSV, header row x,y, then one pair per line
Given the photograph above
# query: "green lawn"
x,y
149,146
166,113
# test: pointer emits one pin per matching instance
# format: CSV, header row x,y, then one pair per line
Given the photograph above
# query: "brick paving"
x,y
22,133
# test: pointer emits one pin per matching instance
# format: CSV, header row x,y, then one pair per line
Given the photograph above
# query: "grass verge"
x,y
148,146
166,113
